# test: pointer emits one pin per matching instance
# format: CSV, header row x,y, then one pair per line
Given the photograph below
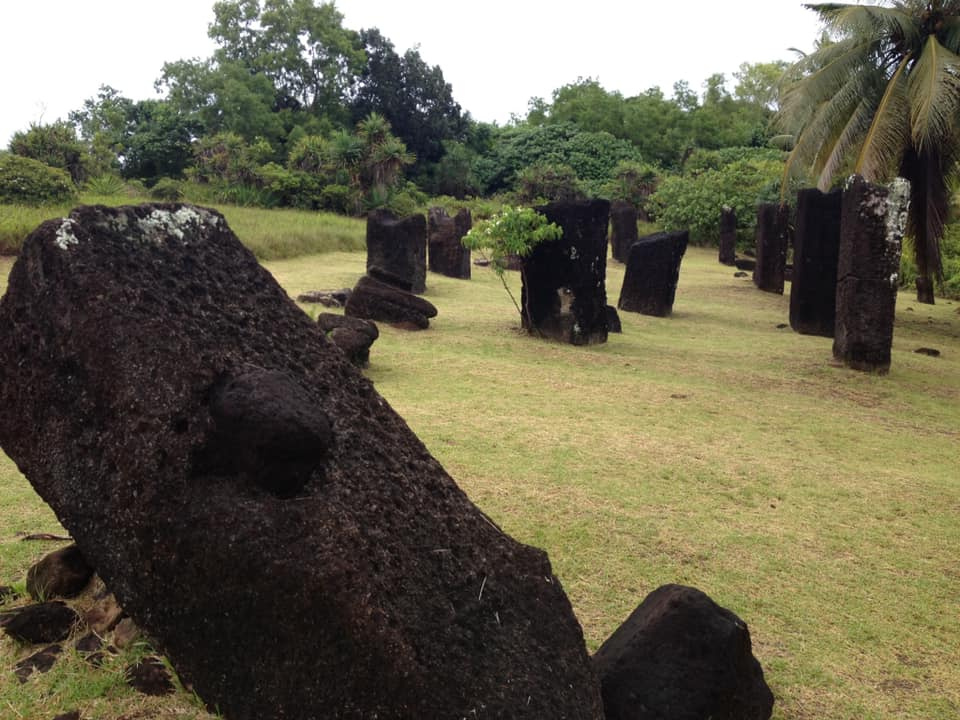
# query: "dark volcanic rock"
x,y
816,248
397,250
623,229
46,622
62,573
72,715
149,676
446,253
40,662
773,238
653,270
931,352
375,300
327,298
379,590
680,656
871,232
745,264
353,336
728,236
564,293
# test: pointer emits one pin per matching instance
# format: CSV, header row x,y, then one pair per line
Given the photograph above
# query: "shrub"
x,y
55,145
23,180
549,182
291,187
339,199
106,184
167,189
632,182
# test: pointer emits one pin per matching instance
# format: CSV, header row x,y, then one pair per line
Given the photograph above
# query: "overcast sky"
x,y
497,54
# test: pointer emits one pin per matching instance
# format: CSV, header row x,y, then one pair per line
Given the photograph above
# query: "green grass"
x,y
270,234
711,448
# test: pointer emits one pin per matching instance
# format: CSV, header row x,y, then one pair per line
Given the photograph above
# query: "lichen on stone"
x,y
162,223
65,237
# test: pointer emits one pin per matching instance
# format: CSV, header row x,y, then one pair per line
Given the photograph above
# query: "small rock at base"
x,y
149,676
41,662
932,352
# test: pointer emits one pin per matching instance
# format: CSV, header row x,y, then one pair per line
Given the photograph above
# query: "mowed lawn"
x,y
714,448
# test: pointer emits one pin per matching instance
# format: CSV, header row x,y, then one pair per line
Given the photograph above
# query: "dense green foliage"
x,y
694,201
28,181
55,145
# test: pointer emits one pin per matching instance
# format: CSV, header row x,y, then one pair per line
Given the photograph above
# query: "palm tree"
x,y
883,100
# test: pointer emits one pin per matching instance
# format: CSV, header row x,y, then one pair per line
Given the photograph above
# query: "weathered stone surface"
x,y
397,250
327,298
623,229
816,249
728,236
871,232
564,294
149,676
773,239
353,336
375,300
40,662
378,590
47,622
680,656
62,573
653,270
446,253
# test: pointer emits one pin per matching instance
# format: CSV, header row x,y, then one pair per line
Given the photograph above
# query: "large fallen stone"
x,y
564,294
445,251
380,301
152,370
680,656
773,239
623,229
397,250
816,248
652,273
62,573
872,223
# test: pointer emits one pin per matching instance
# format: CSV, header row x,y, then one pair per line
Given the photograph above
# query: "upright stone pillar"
x,y
816,248
623,229
773,236
446,253
653,269
728,236
564,293
397,250
872,221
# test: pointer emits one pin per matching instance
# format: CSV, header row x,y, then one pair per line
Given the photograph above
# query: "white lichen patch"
x,y
65,236
165,223
898,203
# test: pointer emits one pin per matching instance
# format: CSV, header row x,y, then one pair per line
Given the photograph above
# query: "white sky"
x,y
497,54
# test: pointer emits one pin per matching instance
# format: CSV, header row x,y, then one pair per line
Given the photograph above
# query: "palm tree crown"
x,y
881,100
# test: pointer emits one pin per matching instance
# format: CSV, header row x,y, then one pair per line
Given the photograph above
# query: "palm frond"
x,y
889,131
850,136
934,89
890,24
949,34
929,203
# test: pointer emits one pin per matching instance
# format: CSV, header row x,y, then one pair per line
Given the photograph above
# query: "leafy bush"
x,y
548,182
167,189
55,145
694,202
340,199
291,187
632,182
23,180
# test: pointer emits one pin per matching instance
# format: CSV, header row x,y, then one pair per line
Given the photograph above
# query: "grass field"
x,y
712,448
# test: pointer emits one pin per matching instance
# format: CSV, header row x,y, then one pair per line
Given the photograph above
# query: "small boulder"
x,y
72,715
681,656
149,676
63,573
353,336
47,622
372,299
40,662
